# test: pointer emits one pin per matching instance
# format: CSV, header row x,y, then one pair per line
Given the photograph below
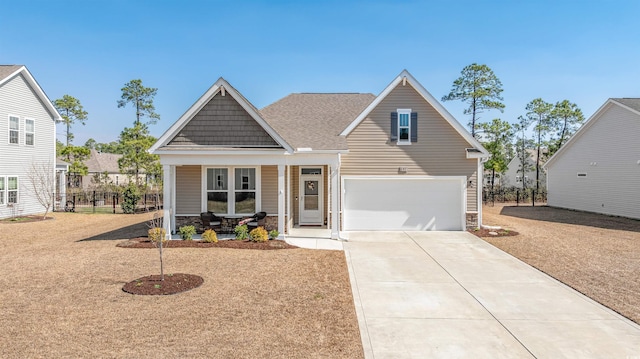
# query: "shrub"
x,y
210,236
259,235
274,234
187,232
241,231
130,198
157,234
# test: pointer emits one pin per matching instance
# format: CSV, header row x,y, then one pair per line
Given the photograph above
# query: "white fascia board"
x,y
585,126
204,152
255,159
408,78
202,101
38,90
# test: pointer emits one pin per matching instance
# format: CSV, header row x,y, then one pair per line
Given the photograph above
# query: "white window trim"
x,y
406,111
231,189
6,189
32,132
9,130
3,191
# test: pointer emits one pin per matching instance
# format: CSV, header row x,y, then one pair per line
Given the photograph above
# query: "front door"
x,y
311,196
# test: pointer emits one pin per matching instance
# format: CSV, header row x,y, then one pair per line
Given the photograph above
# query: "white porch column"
x,y
62,188
281,200
335,198
167,205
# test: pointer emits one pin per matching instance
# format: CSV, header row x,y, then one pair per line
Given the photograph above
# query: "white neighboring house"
x,y
27,138
513,176
598,169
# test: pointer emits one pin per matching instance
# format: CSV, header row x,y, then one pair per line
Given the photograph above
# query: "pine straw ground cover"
x,y
62,297
595,254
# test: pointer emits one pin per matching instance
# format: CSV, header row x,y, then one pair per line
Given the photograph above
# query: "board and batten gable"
x,y
439,150
606,154
19,99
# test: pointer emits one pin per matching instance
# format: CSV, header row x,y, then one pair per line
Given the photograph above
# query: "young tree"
x,y
71,111
496,136
135,142
522,146
42,184
539,114
566,118
480,88
141,97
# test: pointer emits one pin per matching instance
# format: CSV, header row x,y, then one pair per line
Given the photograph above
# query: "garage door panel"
x,y
403,204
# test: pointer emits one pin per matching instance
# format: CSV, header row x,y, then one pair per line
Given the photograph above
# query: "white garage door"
x,y
409,204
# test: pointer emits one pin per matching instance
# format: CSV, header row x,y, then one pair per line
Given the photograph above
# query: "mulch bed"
x,y
485,232
144,242
172,284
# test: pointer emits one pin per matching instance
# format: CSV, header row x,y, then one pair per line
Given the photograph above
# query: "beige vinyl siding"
x,y
440,150
608,152
270,189
223,122
17,98
188,190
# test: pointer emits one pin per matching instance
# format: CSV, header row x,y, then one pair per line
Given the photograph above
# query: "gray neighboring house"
x,y
103,164
27,138
597,170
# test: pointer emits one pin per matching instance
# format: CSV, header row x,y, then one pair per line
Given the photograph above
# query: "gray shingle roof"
x,y
99,162
6,70
633,103
315,120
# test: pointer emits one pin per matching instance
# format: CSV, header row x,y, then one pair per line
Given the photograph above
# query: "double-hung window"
x,y
14,129
404,128
245,190
29,132
217,190
2,189
12,189
231,190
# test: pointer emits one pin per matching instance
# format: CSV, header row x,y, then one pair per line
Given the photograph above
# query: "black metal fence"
x,y
519,196
105,202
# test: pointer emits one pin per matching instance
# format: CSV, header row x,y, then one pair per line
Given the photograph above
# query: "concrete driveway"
x,y
452,295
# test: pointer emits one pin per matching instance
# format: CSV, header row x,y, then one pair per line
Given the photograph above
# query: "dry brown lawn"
x,y
61,297
597,255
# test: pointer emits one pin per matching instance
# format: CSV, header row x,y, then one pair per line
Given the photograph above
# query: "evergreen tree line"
x,y
543,128
132,143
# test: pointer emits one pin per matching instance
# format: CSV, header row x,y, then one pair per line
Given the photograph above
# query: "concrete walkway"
x,y
452,295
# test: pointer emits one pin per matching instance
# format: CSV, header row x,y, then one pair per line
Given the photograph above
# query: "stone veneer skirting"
x,y
472,220
271,222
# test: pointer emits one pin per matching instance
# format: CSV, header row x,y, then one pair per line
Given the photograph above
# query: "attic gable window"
x,y
404,127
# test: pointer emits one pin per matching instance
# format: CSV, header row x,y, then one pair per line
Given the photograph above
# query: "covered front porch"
x,y
299,191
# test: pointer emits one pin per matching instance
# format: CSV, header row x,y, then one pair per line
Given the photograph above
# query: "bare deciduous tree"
x,y
42,181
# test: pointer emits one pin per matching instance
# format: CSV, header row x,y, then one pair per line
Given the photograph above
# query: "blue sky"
x,y
583,51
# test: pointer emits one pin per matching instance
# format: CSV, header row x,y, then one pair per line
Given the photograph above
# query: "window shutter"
x,y
414,127
394,126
